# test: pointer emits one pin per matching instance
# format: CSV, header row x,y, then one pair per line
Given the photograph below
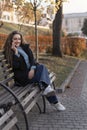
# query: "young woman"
x,y
21,59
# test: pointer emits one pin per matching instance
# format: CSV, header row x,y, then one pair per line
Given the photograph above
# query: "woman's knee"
x,y
41,66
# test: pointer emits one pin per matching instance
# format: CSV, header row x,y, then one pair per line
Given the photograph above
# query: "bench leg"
x,y
53,85
44,104
17,127
38,107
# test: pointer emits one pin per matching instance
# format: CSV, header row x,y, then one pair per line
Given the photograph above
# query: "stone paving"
x,y
74,99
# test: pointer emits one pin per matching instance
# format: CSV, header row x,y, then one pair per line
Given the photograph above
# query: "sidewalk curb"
x,y
68,79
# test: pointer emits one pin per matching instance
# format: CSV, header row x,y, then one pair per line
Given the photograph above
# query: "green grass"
x,y
62,67
25,30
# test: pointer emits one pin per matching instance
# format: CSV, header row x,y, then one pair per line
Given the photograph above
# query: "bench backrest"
x,y
6,74
27,95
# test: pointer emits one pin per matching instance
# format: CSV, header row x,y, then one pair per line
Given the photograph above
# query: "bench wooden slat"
x,y
28,98
53,78
21,91
6,98
6,71
8,120
32,103
5,65
10,124
6,116
7,79
4,60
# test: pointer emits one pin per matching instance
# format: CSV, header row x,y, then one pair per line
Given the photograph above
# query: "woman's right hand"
x,y
14,48
31,73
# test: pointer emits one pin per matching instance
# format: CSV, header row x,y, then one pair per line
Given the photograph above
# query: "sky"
x,y
75,6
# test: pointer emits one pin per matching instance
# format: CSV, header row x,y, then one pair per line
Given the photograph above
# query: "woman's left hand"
x,y
31,74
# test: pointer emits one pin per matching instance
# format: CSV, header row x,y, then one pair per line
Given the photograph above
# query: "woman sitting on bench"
x,y
21,59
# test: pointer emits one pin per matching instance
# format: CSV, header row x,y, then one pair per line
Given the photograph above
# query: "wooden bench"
x,y
25,97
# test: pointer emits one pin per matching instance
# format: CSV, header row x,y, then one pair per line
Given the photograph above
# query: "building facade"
x,y
72,23
8,13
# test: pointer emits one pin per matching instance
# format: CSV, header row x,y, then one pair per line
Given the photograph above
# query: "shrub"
x,y
70,45
73,45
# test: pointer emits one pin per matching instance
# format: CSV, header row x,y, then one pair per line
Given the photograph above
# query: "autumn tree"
x,y
25,12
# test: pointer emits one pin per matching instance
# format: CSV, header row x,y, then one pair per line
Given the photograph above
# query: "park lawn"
x,y
62,67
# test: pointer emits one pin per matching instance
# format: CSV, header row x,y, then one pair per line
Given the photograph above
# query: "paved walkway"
x,y
75,100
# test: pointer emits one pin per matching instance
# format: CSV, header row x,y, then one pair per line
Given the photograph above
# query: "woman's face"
x,y
17,40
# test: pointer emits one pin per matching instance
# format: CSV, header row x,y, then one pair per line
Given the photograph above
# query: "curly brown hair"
x,y
7,46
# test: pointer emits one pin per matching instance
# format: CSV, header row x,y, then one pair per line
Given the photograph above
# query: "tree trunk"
x,y
57,24
36,34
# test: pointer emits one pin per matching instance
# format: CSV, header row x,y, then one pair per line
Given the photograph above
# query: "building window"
x,y
6,17
79,22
